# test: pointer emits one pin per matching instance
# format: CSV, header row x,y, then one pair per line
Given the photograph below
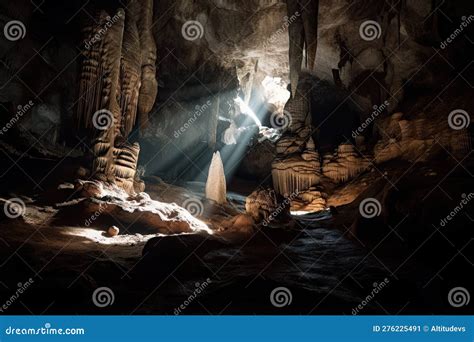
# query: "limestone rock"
x,y
418,139
139,210
344,164
216,184
113,231
240,225
311,200
267,205
111,94
296,172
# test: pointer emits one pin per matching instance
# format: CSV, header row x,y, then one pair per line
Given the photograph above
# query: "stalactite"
x,y
310,9
293,175
296,36
303,36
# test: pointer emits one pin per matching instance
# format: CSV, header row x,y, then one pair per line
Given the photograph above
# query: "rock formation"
x,y
297,172
115,205
311,200
297,167
419,139
267,205
344,164
303,32
149,84
119,53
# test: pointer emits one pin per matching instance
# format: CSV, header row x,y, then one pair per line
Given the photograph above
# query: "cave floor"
x,y
68,263
327,269
325,272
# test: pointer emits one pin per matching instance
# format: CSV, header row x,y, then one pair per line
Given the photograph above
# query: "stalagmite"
x,y
98,90
297,166
118,82
126,160
216,185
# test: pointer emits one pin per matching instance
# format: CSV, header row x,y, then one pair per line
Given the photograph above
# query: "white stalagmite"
x,y
215,185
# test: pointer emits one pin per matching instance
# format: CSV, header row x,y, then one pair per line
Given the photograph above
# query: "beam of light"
x,y
245,109
233,154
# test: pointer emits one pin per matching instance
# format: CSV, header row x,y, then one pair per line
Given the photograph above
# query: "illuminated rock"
x,y
296,172
344,164
148,215
113,231
311,200
419,139
216,189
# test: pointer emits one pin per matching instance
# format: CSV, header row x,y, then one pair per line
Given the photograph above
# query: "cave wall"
x,y
403,45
